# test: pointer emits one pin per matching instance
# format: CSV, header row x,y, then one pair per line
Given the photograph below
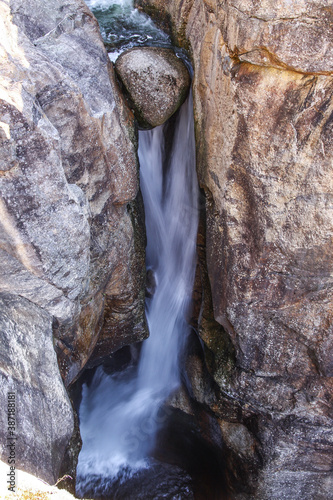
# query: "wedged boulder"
x,y
157,82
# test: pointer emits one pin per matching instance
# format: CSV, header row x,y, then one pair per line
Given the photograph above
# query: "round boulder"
x,y
156,81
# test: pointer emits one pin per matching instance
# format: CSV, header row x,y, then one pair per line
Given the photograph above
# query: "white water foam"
x,y
123,26
106,4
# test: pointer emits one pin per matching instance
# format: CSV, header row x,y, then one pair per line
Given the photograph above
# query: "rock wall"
x,y
264,121
71,229
155,82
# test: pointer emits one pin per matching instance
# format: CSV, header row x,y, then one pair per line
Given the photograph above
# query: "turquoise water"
x,y
123,27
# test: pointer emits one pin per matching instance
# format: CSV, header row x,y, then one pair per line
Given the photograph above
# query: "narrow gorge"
x,y
166,261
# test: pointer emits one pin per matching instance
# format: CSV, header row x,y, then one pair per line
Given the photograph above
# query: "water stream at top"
x,y
123,27
120,414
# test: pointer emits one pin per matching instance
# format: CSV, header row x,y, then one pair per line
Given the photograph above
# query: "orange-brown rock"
x,y
263,91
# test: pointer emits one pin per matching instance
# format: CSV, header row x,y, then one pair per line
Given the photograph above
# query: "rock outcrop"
x,y
43,420
72,237
156,81
263,91
30,487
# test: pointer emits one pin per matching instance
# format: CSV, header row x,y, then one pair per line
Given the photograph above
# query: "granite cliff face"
x,y
263,108
72,233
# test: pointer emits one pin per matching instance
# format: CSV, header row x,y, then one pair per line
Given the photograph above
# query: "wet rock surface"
x,y
159,481
156,81
263,107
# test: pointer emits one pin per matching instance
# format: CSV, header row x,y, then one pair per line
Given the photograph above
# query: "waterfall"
x,y
120,414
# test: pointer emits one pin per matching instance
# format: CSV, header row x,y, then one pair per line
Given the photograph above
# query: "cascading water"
x,y
120,414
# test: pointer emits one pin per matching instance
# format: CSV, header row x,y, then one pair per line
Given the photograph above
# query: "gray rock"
x,y
157,83
263,105
28,367
69,152
69,242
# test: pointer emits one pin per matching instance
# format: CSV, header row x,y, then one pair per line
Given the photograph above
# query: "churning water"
x,y
123,27
120,414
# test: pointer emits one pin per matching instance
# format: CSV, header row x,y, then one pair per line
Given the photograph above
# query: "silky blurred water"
x,y
120,414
